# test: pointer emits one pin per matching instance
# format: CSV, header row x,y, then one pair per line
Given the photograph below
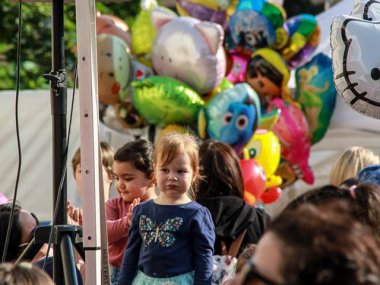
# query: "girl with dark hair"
x,y
221,191
22,230
135,182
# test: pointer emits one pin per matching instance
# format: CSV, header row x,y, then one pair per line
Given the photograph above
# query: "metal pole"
x,y
58,97
94,224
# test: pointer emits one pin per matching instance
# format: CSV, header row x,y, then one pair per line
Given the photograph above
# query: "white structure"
x,y
347,128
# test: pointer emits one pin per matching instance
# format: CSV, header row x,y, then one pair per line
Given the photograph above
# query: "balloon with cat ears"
x,y
368,10
356,60
188,50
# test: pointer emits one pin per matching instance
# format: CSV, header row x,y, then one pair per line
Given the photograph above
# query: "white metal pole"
x,y
94,228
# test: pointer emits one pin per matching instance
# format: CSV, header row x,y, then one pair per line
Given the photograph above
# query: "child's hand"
x,y
130,210
75,215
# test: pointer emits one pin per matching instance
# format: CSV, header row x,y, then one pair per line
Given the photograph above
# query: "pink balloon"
x,y
112,25
253,178
293,132
188,50
3,199
239,66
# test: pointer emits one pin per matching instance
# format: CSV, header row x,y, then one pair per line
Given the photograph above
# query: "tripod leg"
x,y
68,260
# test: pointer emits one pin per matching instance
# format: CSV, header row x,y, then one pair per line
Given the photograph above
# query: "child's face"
x,y
132,183
78,177
264,87
106,181
175,178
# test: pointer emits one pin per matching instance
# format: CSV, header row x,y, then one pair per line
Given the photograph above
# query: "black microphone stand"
x,y
61,235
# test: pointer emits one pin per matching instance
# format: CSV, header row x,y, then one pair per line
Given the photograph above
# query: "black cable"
x,y
64,169
18,59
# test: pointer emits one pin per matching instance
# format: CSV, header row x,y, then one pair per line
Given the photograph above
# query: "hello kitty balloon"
x,y
355,42
188,50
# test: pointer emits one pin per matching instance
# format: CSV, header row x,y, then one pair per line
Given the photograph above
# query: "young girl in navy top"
x,y
172,237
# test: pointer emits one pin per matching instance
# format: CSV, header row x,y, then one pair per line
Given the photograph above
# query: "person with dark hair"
x,y
21,235
364,200
221,191
319,196
135,182
311,244
23,274
22,230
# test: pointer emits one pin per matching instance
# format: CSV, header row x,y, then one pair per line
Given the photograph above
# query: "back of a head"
x,y
319,196
221,171
363,199
16,231
367,206
23,274
325,245
350,162
139,153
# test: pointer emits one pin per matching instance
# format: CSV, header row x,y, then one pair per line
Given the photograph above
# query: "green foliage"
x,y
36,40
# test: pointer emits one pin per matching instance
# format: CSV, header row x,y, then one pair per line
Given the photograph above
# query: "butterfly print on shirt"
x,y
162,233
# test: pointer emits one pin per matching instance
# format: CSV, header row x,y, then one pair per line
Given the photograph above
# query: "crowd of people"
x,y
180,211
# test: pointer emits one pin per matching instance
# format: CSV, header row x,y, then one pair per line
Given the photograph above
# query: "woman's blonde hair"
x,y
350,162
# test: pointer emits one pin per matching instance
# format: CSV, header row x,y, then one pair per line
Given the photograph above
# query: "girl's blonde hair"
x,y
350,162
173,144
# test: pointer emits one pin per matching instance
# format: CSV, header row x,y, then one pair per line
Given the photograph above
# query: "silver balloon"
x,y
188,50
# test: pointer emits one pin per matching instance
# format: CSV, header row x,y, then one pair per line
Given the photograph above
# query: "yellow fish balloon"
x,y
265,147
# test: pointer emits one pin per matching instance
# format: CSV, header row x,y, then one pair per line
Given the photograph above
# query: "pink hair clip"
x,y
352,191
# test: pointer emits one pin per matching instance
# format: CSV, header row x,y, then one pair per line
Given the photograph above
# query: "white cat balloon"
x,y
189,50
355,46
368,10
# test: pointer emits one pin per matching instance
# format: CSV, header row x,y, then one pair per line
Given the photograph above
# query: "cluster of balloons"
x,y
221,68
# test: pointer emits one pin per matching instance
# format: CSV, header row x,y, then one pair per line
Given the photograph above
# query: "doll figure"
x,y
268,74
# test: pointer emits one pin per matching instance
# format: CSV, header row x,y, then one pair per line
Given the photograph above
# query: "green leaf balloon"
x,y
164,100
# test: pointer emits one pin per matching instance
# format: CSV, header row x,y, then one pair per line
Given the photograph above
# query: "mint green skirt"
x,y
183,279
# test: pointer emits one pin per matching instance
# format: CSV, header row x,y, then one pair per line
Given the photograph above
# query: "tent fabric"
x,y
347,128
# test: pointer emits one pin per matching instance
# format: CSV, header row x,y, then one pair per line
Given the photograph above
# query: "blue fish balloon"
x,y
232,116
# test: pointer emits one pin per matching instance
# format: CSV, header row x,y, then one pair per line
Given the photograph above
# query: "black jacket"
x,y
231,215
